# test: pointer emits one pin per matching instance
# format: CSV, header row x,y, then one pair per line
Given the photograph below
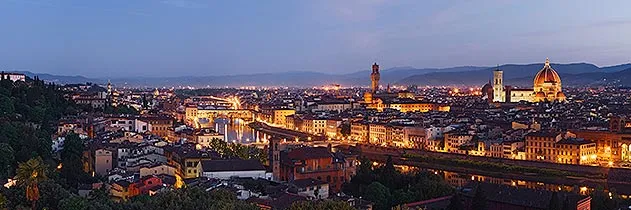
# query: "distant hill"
x,y
514,74
61,79
393,75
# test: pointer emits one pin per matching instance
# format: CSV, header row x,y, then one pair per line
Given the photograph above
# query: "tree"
x,y
7,159
72,166
29,175
388,175
3,202
378,194
320,205
479,199
455,203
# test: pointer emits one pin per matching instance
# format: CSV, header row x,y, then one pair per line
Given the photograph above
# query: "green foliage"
x,y
387,187
320,205
72,166
235,150
379,194
28,115
3,202
7,160
121,109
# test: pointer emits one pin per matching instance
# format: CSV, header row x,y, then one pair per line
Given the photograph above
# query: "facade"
x,y
204,136
13,76
312,163
453,140
499,94
314,125
359,131
374,78
576,151
546,87
540,146
312,188
280,116
378,133
102,161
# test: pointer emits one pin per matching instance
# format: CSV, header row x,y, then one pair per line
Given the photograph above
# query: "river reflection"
x,y
461,179
238,131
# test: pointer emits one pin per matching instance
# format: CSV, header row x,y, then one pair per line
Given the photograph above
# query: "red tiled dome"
x,y
547,75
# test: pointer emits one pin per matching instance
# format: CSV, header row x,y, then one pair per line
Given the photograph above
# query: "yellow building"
x,y
359,131
314,125
454,140
280,115
377,133
203,137
576,151
546,87
540,146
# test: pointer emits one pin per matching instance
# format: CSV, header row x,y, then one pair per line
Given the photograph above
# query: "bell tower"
x,y
374,78
499,94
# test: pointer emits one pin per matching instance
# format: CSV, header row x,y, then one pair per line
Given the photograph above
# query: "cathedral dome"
x,y
540,95
547,75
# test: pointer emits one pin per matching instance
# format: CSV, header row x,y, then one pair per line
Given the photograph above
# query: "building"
x,y
359,131
546,87
374,78
499,94
576,151
314,125
454,139
159,125
13,76
280,115
312,188
312,163
378,133
540,145
102,161
226,169
204,136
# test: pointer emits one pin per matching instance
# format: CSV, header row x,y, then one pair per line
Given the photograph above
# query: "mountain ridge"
x,y
519,74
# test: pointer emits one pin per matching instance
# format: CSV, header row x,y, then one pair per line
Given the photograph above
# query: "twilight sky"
x,y
116,38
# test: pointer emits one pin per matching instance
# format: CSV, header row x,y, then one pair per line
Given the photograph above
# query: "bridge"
x,y
196,113
290,135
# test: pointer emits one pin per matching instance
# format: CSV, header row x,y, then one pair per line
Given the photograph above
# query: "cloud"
x,y
185,4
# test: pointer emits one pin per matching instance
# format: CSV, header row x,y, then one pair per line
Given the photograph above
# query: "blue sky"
x,y
115,38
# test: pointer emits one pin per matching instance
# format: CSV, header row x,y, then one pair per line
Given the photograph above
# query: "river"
x,y
238,131
461,179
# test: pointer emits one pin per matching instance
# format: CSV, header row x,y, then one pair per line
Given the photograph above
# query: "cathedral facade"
x,y
546,87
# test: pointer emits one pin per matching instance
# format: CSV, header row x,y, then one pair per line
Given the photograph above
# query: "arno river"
x,y
240,132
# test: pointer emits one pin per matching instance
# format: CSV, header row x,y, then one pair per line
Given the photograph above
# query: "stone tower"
x,y
374,78
274,146
499,94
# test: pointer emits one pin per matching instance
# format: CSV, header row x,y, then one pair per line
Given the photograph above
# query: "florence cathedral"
x,y
546,87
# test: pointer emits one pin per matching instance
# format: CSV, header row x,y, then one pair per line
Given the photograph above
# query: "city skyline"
x,y
185,38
